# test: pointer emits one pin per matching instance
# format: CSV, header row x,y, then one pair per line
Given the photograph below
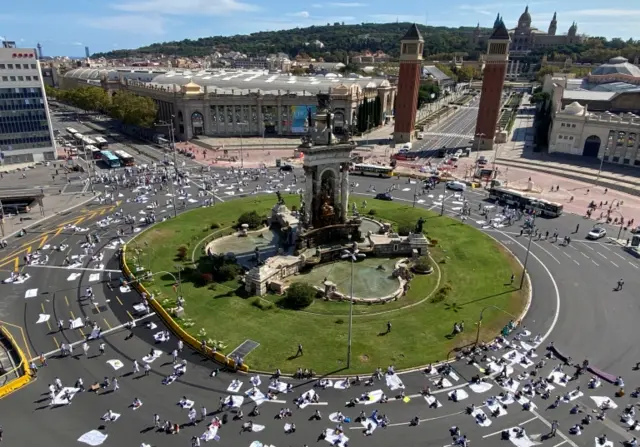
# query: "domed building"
x,y
618,69
239,102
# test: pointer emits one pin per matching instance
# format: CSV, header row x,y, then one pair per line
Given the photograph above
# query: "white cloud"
x,y
278,23
127,24
77,44
347,4
301,14
186,7
621,13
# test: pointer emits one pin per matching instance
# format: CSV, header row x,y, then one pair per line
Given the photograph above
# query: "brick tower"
x,y
492,84
411,48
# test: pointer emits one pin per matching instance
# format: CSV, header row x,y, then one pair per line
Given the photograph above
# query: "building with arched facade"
x,y
598,116
241,102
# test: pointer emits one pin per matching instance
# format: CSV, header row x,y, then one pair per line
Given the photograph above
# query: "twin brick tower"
x,y
411,49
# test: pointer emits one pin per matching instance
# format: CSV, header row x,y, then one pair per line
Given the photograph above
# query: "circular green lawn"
x,y
471,270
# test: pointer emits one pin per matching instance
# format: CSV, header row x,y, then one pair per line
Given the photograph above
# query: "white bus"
x,y
71,131
89,141
524,201
78,137
101,142
372,170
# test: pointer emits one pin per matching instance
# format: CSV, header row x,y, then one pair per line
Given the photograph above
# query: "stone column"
x,y
344,195
308,194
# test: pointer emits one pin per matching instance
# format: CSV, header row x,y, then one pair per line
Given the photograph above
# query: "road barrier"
x,y
171,323
23,368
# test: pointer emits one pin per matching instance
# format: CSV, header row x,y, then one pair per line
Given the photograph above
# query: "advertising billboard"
x,y
300,118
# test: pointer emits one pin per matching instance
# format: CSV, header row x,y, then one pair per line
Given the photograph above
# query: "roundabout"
x,y
471,272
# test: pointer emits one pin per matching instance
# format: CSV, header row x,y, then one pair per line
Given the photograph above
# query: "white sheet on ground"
x,y
373,397
454,376
513,387
521,442
369,425
234,401
150,358
481,387
43,318
477,414
445,382
257,396
573,396
278,386
460,395
74,276
77,323
335,439
599,400
606,444
493,407
341,384
209,434
114,417
94,277
495,368
333,417
431,399
234,386
255,381
60,398
507,399
556,377
115,364
31,293
93,438
524,400
394,383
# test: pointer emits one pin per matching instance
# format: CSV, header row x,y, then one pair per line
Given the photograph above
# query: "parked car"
x,y
384,196
596,233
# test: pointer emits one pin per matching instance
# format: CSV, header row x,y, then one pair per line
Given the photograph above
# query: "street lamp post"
x,y
353,255
479,325
179,268
241,144
526,257
444,193
604,154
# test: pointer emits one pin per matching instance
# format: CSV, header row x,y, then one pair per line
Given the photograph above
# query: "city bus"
x,y
78,137
88,141
111,160
518,199
95,153
101,143
71,131
373,170
125,158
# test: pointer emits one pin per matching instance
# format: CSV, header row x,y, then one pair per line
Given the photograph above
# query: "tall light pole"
x,y
353,255
444,193
604,154
526,256
241,144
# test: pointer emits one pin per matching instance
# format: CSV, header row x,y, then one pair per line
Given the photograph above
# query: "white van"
x,y
420,135
406,146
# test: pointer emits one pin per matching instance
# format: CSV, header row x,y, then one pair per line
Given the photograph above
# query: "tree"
x,y
539,97
299,295
466,73
548,69
133,109
377,112
251,218
428,93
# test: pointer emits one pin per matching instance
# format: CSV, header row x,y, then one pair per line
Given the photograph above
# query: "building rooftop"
x,y
413,33
500,32
264,81
435,72
617,65
587,95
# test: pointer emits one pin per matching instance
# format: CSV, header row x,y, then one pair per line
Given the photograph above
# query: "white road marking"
x,y
614,263
619,255
546,251
399,424
605,247
577,263
586,245
633,264
598,265
566,254
602,255
548,424
585,255
560,443
75,268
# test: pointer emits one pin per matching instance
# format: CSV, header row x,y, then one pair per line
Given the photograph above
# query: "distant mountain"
x,y
338,40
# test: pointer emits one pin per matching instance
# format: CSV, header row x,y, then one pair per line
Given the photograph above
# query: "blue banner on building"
x,y
300,118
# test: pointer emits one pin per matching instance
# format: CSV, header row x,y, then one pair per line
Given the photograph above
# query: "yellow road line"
x,y
16,264
103,211
55,340
130,316
92,215
43,240
44,312
106,322
59,231
96,306
113,208
73,317
118,202
119,300
79,221
67,301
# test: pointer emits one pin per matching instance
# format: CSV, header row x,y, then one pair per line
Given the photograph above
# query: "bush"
x,y
261,304
251,218
206,278
214,226
404,230
182,253
373,212
227,272
423,265
299,295
442,294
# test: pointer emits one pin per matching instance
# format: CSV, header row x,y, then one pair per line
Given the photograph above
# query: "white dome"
x,y
574,109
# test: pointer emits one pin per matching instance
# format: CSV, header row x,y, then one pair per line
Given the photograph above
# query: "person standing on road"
x,y
554,428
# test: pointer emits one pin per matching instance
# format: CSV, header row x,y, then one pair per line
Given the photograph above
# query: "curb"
x,y
37,222
26,376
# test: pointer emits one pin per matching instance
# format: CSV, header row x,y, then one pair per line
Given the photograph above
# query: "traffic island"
x,y
470,272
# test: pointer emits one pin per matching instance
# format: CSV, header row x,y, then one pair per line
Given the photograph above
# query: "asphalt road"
x,y
573,299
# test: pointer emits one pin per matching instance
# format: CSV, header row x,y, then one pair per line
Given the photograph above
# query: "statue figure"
x,y
256,254
354,209
420,225
280,199
303,211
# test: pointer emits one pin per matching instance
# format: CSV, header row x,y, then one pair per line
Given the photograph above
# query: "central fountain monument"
x,y
324,209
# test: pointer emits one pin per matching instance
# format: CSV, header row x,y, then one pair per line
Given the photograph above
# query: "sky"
x,y
65,27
